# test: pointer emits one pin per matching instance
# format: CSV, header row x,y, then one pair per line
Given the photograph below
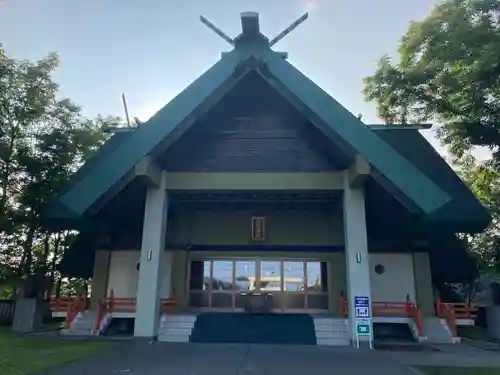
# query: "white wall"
x,y
398,278
123,274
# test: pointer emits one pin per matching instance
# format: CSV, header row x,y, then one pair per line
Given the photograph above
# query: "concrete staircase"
x,y
176,327
331,331
83,324
436,331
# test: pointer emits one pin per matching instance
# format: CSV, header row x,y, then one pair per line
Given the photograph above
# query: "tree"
x,y
43,140
484,181
449,72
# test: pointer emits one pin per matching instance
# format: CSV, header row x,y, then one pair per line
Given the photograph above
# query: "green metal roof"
x,y
250,52
463,212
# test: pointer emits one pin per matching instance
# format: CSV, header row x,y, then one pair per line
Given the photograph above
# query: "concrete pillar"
x,y
337,282
100,277
168,267
152,262
423,283
179,277
356,250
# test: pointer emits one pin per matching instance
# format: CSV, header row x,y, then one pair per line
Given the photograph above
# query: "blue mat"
x,y
288,329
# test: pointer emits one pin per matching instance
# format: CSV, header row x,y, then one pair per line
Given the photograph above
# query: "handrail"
x,y
60,303
445,311
343,306
415,313
122,304
389,309
463,310
103,308
76,306
168,305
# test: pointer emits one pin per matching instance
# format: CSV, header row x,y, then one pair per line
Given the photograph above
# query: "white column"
x,y
152,263
356,250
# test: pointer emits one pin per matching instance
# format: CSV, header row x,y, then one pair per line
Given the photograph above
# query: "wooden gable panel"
x,y
253,129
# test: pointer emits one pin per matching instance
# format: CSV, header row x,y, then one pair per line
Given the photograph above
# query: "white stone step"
x,y
330,327
176,327
187,318
176,330
177,324
76,332
332,334
331,341
169,337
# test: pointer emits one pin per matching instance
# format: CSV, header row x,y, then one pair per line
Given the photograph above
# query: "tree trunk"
x,y
27,258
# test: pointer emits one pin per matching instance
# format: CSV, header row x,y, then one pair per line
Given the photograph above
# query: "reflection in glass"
x,y
223,275
314,277
270,276
206,274
293,280
245,275
199,283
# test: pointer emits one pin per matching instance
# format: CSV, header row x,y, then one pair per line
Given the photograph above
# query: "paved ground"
x,y
464,355
135,358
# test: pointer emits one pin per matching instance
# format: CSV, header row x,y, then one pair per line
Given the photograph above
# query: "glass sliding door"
x,y
317,286
222,284
199,284
245,280
295,285
293,297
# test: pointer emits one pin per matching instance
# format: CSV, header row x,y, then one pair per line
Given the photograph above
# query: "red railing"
x,y
445,311
104,307
60,303
168,305
415,313
460,310
123,304
79,304
343,309
390,309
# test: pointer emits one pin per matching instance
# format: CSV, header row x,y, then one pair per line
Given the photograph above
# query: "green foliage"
x,y
484,180
43,140
449,72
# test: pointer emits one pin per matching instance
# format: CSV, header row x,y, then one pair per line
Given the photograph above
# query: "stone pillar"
x,y
152,262
167,283
356,250
337,282
100,277
423,283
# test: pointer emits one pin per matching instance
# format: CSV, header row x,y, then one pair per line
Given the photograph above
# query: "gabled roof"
x,y
463,212
252,52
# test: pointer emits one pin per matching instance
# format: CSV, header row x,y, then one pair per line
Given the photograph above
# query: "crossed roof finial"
x,y
250,26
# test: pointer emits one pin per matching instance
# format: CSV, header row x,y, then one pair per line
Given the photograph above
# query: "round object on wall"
x,y
379,269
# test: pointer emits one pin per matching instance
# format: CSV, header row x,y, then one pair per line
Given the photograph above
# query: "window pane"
x,y
245,275
223,275
270,276
314,277
293,276
200,275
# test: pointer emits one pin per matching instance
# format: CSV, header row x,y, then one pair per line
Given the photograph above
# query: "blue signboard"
x,y
363,319
362,307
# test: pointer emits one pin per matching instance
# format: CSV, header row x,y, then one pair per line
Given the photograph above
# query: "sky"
x,y
152,49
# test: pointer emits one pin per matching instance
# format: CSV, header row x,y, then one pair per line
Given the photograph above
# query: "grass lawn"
x,y
21,355
459,371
